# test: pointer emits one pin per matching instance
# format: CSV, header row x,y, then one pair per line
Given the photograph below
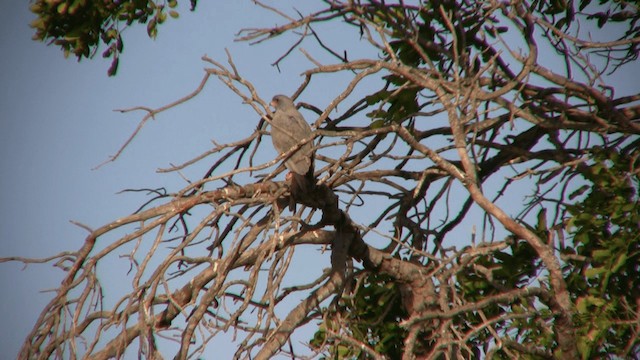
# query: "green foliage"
x,y
371,316
402,105
78,27
509,269
605,257
601,273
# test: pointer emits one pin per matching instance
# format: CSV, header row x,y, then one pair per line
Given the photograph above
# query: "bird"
x,y
289,129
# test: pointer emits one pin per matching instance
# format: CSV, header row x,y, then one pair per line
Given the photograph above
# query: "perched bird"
x,y
288,129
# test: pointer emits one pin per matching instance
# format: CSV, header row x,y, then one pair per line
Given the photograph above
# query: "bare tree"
x,y
462,111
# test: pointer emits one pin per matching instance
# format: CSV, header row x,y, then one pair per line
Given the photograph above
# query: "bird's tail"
x,y
302,185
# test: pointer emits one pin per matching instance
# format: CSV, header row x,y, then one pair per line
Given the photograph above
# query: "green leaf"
x,y
584,348
581,190
152,31
377,114
377,124
594,272
76,5
542,220
62,8
620,262
601,254
377,97
162,16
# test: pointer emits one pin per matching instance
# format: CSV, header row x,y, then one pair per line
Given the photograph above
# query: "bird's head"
x,y
282,101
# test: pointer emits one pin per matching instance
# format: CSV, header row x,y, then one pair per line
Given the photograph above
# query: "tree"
x,y
435,134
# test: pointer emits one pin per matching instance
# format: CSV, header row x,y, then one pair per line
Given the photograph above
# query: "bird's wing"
x,y
288,130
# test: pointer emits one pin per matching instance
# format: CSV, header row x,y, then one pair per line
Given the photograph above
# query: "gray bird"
x,y
288,129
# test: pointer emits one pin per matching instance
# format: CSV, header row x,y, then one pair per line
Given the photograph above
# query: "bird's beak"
x,y
273,103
